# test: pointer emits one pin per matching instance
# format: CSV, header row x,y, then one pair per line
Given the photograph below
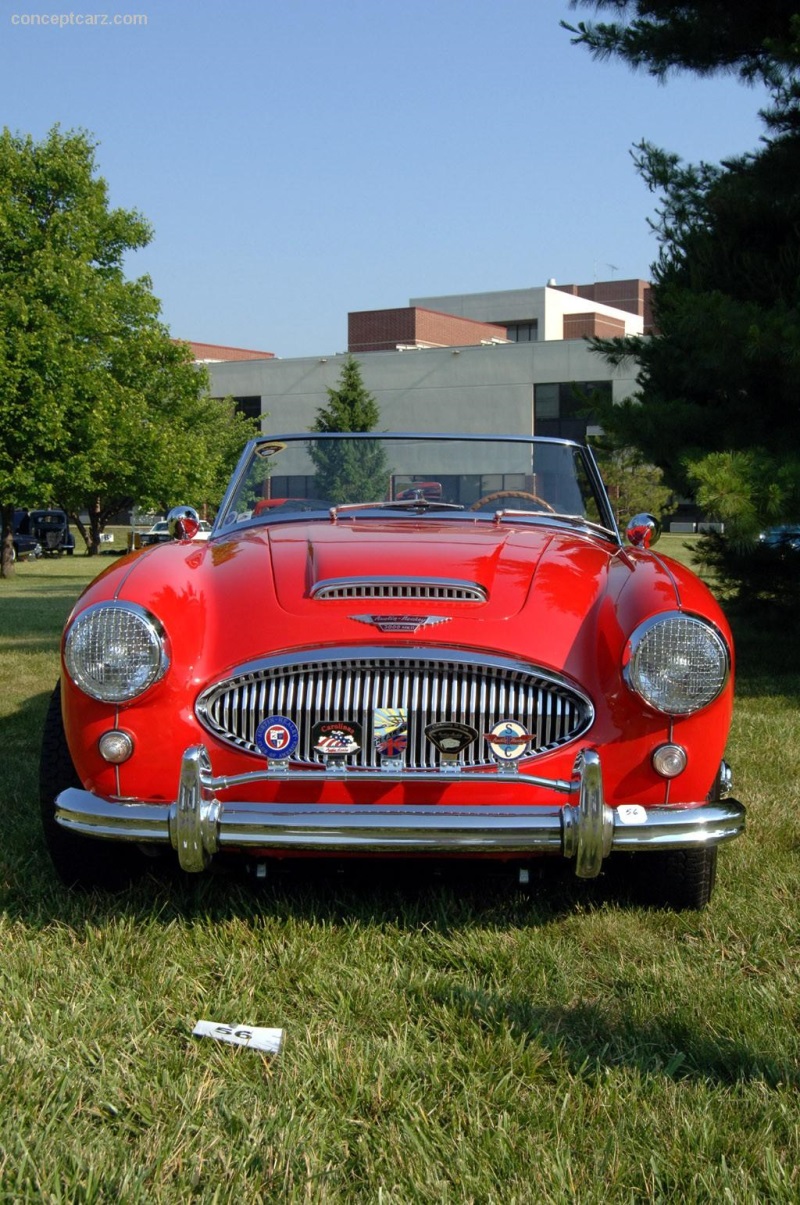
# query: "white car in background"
x,y
159,533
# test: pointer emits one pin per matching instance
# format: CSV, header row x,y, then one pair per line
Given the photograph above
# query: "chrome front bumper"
x,y
198,825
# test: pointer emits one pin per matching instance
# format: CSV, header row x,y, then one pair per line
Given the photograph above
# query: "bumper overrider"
x,y
584,828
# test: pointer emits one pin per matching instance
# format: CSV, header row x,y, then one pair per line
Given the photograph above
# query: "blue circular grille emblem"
x,y
277,737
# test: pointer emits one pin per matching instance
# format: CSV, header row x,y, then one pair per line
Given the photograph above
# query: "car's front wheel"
x,y
79,861
680,879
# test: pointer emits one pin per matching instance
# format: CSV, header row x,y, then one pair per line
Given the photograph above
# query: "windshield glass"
x,y
349,476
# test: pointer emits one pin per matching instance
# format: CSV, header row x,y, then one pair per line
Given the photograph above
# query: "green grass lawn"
x,y
446,1041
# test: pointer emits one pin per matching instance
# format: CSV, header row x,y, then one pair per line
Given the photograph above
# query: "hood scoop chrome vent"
x,y
412,588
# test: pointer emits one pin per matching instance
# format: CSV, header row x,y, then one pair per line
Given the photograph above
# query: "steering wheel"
x,y
512,494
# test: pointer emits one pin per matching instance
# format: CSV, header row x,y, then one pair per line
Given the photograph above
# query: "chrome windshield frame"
x,y
251,451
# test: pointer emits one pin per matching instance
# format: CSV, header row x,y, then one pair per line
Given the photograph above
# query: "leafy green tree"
x,y
98,406
349,471
718,409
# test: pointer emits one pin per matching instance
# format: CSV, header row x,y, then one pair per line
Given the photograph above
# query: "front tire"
x,y
681,879
83,862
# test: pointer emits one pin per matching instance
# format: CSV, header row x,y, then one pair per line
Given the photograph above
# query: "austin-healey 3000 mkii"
x,y
397,646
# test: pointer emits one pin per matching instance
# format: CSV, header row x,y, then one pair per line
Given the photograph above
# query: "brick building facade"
x,y
412,326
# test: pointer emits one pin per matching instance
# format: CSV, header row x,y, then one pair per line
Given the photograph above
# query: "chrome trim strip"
x,y
461,774
197,825
252,449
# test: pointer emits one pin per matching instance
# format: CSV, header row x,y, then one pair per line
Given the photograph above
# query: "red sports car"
x,y
367,668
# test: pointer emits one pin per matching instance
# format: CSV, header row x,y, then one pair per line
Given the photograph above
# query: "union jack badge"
x,y
390,730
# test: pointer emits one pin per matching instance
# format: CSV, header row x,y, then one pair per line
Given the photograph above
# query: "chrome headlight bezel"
x,y
658,667
115,651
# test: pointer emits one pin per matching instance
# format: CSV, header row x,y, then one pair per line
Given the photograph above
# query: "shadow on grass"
x,y
20,737
593,1037
36,615
767,653
408,895
589,1037
417,896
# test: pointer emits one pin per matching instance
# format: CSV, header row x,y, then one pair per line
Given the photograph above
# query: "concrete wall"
x,y
469,389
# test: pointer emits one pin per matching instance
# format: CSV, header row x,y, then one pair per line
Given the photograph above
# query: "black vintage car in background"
x,y
51,529
25,544
38,532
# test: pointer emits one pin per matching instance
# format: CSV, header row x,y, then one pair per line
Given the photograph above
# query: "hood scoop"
x,y
413,588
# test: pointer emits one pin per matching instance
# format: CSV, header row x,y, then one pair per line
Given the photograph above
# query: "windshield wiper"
x,y
413,504
578,520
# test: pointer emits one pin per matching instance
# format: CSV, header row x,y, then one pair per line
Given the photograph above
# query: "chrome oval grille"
x,y
428,589
440,686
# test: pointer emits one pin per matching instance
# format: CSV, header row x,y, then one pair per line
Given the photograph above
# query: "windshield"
x,y
346,477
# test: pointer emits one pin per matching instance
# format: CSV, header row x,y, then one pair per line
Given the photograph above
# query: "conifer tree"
x,y
349,470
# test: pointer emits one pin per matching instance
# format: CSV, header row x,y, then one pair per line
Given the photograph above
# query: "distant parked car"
x,y
51,528
159,533
783,538
25,545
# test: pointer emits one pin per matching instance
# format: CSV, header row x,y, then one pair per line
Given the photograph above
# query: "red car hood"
x,y
501,562
549,590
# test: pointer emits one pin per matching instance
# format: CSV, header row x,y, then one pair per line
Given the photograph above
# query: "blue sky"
x,y
302,158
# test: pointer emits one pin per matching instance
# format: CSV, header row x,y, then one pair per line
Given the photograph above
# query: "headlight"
x,y
114,651
677,663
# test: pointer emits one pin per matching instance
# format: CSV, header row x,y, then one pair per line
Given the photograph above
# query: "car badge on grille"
x,y
336,738
401,623
277,737
451,739
390,731
508,740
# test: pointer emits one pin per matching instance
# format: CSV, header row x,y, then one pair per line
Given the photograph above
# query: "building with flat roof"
x,y
605,308
514,362
216,353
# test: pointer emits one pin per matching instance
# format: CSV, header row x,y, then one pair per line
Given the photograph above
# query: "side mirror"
x,y
643,531
183,523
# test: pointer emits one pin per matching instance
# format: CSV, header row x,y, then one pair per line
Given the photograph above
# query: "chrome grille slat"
x,y
433,687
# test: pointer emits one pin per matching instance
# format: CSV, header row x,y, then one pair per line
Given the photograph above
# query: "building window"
x,y
250,407
522,332
564,409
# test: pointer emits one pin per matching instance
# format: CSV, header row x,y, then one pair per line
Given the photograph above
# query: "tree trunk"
x,y
7,542
93,542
